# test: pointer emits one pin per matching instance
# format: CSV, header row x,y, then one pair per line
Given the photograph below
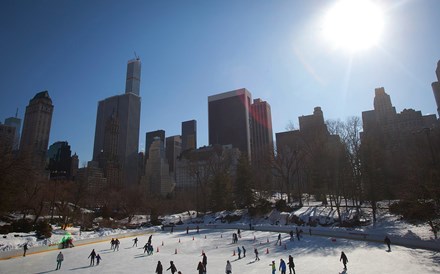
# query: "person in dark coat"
x,y
279,239
159,268
149,239
388,242
135,240
25,248
60,259
204,261
256,255
244,251
92,257
291,235
172,267
98,259
291,265
201,268
239,252
344,259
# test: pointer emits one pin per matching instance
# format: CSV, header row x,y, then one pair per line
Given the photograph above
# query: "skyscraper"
x,y
59,158
261,128
173,150
36,130
436,88
16,123
149,139
189,135
121,112
228,119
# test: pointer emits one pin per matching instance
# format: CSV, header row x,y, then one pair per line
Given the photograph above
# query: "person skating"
x,y
201,268
159,268
204,261
98,259
291,265
172,267
112,243
146,247
239,252
274,268
244,251
344,259
25,248
135,240
282,266
256,254
92,257
117,242
291,235
279,239
388,242
60,259
228,268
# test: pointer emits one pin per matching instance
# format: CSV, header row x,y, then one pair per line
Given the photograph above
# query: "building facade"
x,y
116,143
189,135
36,130
157,179
261,131
436,88
59,158
16,123
7,138
149,139
229,120
173,150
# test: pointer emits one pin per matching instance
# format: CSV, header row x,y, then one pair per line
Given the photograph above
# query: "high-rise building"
x,y
173,150
189,135
59,157
261,128
436,88
149,139
229,123
36,129
157,175
7,136
117,131
16,123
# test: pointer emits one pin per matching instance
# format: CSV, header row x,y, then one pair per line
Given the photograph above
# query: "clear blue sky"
x,y
78,51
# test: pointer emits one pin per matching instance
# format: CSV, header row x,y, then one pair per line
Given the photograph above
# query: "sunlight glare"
x,y
354,24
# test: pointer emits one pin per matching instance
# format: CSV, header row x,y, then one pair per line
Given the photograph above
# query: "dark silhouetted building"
x,y
261,131
229,120
436,88
173,150
116,144
36,130
16,123
189,135
7,137
59,157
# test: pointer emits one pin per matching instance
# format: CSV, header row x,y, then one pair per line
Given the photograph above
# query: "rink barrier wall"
x,y
5,255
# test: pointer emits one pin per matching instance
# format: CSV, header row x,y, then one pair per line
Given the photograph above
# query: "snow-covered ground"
x,y
312,254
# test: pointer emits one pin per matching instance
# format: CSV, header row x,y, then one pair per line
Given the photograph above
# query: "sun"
x,y
354,24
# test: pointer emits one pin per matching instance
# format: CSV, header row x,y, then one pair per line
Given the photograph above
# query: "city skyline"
x,y
191,50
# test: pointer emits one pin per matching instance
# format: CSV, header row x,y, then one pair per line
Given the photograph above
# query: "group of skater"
x,y
202,264
283,266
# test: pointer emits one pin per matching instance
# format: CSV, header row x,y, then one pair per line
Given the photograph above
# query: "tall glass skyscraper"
x,y
124,111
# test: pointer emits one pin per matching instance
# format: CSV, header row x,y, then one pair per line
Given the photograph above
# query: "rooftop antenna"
x,y
135,55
